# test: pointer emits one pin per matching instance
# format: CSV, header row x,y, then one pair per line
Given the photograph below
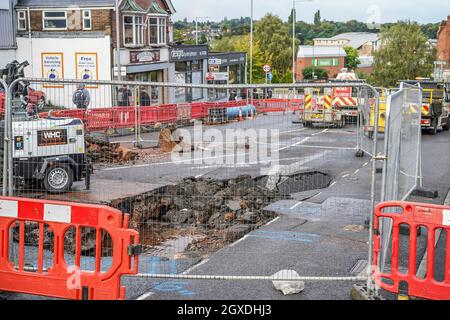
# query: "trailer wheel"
x,y
58,179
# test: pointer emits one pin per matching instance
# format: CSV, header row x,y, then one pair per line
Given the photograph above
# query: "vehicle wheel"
x,y
434,124
58,179
41,104
447,125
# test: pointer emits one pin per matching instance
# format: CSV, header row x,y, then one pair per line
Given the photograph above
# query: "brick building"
x,y
77,40
443,45
330,58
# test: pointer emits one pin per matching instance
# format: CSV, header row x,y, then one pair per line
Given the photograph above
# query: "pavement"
x,y
316,233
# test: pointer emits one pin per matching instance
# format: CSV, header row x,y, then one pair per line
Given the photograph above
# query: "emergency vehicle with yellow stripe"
x,y
435,105
319,108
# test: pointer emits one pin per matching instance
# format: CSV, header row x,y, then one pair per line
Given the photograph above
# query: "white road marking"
x,y
240,240
294,144
195,266
296,205
356,172
345,175
334,182
321,132
272,221
317,195
145,295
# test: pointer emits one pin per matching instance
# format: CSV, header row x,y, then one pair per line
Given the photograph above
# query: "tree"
x,y
317,18
405,54
352,58
313,73
203,39
275,43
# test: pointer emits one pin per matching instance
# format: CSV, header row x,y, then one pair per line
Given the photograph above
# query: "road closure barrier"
x,y
66,237
406,279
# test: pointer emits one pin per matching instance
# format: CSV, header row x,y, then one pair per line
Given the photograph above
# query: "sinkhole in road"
x,y
195,217
210,213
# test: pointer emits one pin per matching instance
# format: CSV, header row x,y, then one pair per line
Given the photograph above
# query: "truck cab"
x,y
435,105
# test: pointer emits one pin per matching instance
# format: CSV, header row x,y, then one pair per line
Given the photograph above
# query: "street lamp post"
x,y
251,43
293,35
196,28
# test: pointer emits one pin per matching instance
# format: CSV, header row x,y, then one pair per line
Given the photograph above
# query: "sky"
x,y
380,11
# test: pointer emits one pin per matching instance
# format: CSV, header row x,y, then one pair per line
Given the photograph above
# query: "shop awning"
x,y
147,67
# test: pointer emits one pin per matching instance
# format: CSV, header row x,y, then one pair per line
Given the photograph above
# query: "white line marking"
x,y
365,164
145,295
295,144
356,172
195,266
317,195
334,182
272,221
321,132
296,205
240,240
345,175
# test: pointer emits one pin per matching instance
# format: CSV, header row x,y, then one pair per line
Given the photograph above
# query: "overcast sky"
x,y
337,10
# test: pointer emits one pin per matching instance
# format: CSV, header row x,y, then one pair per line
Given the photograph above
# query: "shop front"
x,y
188,66
146,66
226,68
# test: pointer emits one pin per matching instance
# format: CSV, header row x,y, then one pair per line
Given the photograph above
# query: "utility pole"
x,y
251,43
119,75
196,28
294,20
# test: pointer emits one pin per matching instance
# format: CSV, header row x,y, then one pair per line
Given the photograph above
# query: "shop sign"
x,y
217,76
188,53
145,56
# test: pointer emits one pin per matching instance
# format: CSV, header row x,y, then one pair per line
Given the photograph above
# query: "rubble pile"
x,y
102,151
233,205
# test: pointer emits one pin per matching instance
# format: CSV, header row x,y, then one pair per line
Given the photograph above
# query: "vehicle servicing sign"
x,y
342,92
52,67
52,137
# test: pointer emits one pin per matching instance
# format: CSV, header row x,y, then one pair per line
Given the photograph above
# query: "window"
x,y
157,30
325,62
133,29
55,20
21,20
87,20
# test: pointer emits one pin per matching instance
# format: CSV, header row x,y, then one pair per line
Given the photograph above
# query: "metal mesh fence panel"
x,y
233,184
403,150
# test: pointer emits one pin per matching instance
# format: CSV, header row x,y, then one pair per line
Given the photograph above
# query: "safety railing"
x,y
403,275
51,263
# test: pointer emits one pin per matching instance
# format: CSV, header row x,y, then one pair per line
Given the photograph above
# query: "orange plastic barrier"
x,y
61,280
99,119
414,215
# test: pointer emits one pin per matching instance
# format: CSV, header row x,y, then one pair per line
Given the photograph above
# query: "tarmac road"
x,y
318,233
